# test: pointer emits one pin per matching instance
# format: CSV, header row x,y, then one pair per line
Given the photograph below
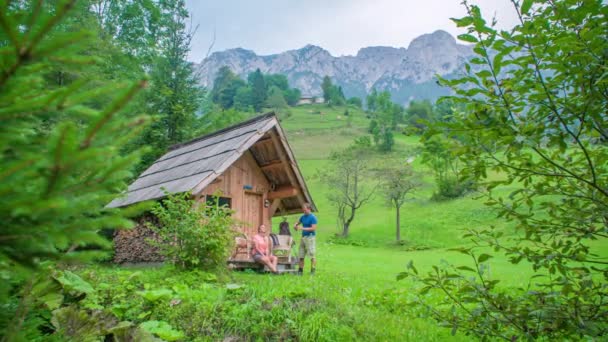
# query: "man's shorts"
x,y
307,247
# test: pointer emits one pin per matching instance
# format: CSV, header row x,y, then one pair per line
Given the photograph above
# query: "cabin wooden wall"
x,y
248,204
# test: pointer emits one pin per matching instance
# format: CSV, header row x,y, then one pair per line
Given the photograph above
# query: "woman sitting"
x,y
261,250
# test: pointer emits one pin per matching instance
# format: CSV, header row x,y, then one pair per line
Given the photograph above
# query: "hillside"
x,y
407,73
314,131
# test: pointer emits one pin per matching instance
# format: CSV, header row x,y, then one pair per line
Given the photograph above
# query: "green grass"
x,y
355,294
423,223
315,136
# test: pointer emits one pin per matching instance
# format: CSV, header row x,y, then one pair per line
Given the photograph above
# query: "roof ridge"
x,y
224,130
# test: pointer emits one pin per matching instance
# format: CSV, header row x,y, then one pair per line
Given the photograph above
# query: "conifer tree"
x,y
258,90
56,176
174,95
225,87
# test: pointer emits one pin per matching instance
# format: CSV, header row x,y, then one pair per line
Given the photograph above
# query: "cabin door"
x,y
253,212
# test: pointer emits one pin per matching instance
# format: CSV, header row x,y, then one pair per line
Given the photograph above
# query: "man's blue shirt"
x,y
307,221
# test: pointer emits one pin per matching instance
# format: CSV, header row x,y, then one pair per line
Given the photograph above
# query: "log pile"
x,y
132,246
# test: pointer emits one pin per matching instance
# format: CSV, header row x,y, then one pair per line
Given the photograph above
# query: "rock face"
x,y
407,73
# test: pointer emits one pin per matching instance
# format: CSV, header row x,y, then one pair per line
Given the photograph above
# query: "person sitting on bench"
x,y
261,250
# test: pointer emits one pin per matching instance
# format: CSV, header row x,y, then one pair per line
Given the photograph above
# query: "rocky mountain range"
x,y
407,73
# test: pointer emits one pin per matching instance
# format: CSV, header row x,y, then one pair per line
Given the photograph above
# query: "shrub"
x,y
441,155
451,187
193,234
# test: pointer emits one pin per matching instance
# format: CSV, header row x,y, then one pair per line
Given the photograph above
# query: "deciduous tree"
x,y
327,87
350,181
536,102
398,181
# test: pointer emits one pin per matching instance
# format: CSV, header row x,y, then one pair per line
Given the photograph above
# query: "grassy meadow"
x,y
354,295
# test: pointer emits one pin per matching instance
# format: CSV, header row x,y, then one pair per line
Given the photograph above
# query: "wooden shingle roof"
x,y
193,165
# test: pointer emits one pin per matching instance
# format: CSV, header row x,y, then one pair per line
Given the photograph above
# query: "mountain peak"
x,y
437,38
310,49
405,73
374,51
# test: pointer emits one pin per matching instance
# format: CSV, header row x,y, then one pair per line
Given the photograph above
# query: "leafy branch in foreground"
x,y
536,101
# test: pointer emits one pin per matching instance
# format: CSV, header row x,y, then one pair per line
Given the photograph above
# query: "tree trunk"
x,y
398,223
346,226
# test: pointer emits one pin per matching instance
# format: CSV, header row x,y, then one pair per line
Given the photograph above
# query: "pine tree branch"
x,y
111,111
24,53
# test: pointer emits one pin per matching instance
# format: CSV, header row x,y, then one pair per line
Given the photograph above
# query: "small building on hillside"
x,y
309,99
250,164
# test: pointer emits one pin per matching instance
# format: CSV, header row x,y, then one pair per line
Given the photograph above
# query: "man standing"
x,y
307,243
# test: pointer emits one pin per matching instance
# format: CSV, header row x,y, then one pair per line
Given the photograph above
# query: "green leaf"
x,y
163,330
155,295
425,290
402,275
462,250
410,266
73,283
483,257
52,300
121,331
144,315
526,5
467,38
462,22
454,329
483,74
465,268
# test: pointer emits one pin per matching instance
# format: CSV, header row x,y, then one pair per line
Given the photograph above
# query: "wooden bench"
x,y
241,255
283,249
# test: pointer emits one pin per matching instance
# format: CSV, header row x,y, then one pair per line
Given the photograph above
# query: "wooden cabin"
x,y
250,164
309,99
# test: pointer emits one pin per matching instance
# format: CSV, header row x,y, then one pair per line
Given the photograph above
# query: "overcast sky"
x,y
340,26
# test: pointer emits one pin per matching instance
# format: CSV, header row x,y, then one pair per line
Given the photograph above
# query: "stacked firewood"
x,y
133,246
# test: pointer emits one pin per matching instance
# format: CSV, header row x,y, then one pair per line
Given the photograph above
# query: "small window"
x,y
221,201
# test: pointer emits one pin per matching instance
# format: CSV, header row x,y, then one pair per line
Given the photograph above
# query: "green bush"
x,y
193,234
451,187
440,153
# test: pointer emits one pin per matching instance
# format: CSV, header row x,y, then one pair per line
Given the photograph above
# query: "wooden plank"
x,y
298,174
290,173
264,141
273,207
283,192
272,165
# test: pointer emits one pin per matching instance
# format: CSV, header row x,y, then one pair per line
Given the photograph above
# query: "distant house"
x,y
309,99
251,164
